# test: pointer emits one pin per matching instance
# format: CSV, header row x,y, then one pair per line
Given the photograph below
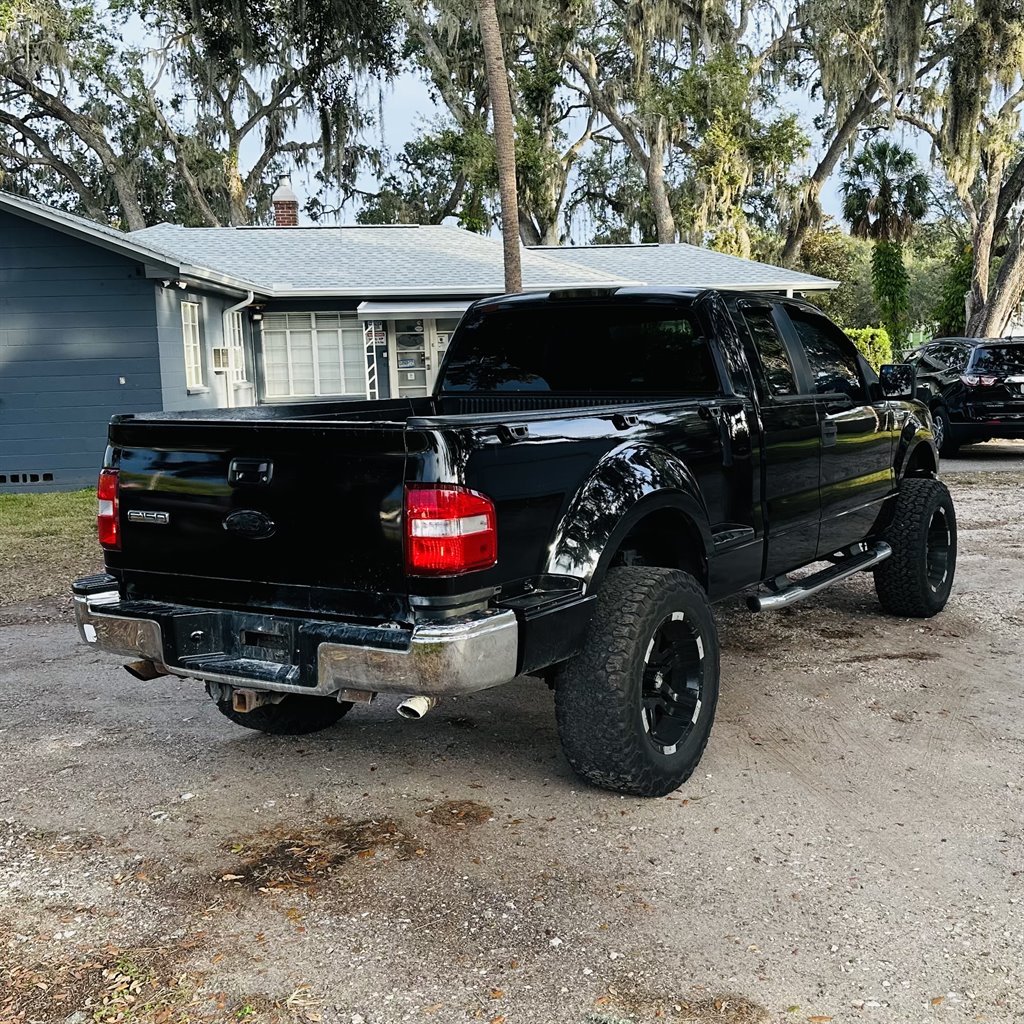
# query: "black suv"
x,y
974,388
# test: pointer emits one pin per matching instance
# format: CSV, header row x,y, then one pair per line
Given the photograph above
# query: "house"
x,y
96,321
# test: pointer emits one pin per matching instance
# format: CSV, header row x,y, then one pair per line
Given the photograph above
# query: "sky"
x,y
407,106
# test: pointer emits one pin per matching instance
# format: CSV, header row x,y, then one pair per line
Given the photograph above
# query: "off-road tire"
x,y
908,584
296,715
949,446
599,693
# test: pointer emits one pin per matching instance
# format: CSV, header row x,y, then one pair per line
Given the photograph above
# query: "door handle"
x,y
829,432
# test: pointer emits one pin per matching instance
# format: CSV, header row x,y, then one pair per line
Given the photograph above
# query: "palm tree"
x,y
885,195
504,140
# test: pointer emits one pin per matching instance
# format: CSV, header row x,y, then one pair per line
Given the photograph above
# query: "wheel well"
x,y
921,462
665,538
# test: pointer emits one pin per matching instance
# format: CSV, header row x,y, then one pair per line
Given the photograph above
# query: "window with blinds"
x,y
313,355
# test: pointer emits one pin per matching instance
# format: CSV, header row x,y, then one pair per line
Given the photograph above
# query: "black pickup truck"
x,y
593,470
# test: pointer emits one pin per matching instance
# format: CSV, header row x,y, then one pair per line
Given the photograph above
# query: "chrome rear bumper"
x,y
463,655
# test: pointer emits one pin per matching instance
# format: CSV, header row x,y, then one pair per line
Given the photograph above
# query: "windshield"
x,y
574,347
999,360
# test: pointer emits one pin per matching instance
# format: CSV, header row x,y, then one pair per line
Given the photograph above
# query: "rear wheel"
x,y
635,708
944,440
916,579
296,715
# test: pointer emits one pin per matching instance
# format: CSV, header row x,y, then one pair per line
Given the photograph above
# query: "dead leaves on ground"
x,y
136,986
460,814
714,1009
281,858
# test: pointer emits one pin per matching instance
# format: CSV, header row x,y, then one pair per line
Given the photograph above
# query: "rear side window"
x,y
770,349
999,360
833,365
570,348
951,357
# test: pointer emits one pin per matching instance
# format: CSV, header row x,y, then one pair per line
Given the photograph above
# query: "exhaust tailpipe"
x,y
144,670
416,707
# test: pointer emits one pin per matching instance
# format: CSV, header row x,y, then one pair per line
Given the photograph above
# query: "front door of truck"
x,y
856,433
790,445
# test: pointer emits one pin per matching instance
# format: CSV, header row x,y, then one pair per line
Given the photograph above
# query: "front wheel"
x,y
296,715
636,706
915,581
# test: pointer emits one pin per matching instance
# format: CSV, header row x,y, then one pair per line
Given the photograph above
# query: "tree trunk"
x,y
991,320
655,174
807,211
983,240
90,134
529,232
990,311
504,140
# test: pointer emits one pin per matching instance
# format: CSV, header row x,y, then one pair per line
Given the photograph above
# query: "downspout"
x,y
236,308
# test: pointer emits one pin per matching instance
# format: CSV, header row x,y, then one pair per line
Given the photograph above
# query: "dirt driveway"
x,y
852,848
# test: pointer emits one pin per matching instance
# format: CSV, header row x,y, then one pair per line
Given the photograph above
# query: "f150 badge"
x,y
152,518
250,523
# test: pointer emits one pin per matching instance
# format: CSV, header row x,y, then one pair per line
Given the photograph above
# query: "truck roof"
x,y
625,292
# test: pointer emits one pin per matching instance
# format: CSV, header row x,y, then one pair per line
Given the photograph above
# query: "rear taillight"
x,y
973,380
448,530
106,510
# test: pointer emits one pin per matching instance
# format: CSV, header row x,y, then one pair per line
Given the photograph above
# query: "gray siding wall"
x,y
217,391
75,321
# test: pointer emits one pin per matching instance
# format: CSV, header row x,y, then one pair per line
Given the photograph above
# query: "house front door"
x,y
417,347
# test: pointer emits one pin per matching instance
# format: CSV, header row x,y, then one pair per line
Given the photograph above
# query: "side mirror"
x,y
898,380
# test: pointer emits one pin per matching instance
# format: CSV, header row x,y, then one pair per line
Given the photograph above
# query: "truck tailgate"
x,y
281,504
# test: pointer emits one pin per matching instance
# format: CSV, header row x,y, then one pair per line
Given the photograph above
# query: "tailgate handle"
x,y
509,432
250,471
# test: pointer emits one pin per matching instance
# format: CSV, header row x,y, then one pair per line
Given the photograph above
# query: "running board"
x,y
792,591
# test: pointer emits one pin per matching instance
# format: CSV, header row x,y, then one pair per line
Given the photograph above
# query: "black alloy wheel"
x,y
673,683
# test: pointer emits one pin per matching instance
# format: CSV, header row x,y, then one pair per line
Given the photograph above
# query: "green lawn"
x,y
46,540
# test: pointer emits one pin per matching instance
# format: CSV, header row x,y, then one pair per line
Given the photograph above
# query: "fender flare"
x,y
627,485
914,432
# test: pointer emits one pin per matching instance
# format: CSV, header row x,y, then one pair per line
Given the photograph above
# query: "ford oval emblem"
x,y
249,523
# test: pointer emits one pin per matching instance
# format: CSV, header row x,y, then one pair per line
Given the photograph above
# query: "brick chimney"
x,y
286,204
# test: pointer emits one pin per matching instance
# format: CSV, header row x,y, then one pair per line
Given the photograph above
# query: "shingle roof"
x,y
406,259
382,260
681,265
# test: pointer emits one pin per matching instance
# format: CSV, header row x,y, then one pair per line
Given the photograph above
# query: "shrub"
x,y
874,344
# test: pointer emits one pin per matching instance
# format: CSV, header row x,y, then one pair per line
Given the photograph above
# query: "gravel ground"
x,y
851,848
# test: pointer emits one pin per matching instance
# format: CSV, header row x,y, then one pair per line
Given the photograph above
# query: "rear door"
x,y
791,442
856,433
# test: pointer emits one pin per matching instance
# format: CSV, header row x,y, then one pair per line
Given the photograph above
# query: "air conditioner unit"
x,y
221,359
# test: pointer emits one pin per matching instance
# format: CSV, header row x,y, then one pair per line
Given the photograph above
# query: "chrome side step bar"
x,y
788,591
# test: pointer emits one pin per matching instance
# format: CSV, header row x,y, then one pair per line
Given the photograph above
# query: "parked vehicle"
x,y
974,388
593,470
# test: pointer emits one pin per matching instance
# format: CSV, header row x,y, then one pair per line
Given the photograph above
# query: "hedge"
x,y
874,344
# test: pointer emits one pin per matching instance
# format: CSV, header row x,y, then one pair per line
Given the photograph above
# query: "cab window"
x,y
830,356
769,349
